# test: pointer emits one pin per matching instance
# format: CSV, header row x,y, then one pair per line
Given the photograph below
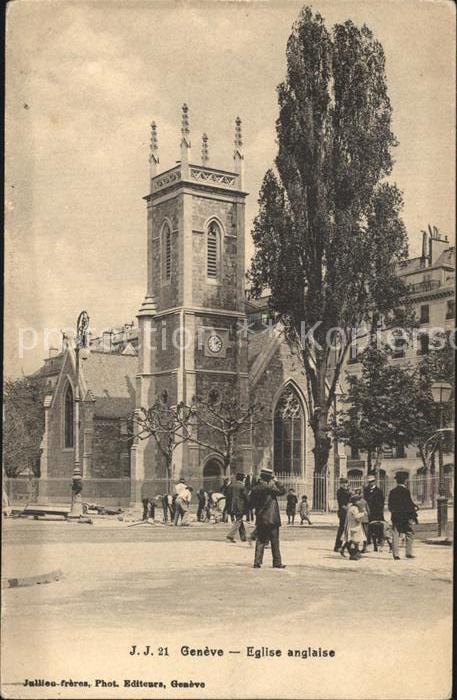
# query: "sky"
x,y
85,79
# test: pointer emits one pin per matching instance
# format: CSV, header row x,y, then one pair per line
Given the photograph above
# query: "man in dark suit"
x,y
375,500
343,496
268,521
237,500
227,496
404,516
202,498
147,496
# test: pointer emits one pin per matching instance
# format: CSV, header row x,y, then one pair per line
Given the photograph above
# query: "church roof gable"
x,y
262,346
111,381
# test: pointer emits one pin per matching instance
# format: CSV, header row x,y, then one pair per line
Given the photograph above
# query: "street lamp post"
x,y
81,346
441,393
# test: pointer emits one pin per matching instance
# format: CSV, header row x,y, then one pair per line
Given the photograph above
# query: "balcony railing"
x,y
425,286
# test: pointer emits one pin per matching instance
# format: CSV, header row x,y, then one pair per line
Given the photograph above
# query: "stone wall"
x,y
193,370
230,361
60,460
165,343
108,445
223,294
168,293
280,369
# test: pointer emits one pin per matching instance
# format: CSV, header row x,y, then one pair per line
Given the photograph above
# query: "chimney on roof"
x,y
53,351
433,245
438,244
425,245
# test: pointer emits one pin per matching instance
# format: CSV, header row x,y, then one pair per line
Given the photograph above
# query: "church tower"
x,y
191,320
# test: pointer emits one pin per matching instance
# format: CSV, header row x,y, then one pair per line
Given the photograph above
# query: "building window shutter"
x,y
166,253
425,314
213,243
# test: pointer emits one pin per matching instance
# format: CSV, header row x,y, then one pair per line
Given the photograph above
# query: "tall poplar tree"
x,y
328,235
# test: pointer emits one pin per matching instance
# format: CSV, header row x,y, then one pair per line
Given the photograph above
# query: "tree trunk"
x,y
319,423
168,461
322,445
426,490
228,457
377,464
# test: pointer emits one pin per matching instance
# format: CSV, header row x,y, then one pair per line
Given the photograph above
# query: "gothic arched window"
x,y
289,433
213,248
68,417
166,252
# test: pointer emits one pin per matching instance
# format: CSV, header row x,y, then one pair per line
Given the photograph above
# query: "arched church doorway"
x,y
213,475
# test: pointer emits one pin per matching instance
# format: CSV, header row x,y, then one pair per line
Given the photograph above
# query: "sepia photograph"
x,y
228,461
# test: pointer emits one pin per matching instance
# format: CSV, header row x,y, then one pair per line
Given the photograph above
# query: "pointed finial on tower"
x,y
153,151
185,140
238,155
154,145
238,134
185,131
205,151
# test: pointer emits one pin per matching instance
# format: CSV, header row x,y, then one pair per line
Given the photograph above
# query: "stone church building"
x,y
192,325
196,332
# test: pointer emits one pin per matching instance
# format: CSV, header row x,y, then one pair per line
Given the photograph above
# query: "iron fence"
x,y
102,491
424,489
320,489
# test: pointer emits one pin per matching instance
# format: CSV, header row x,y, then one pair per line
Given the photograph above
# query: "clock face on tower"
x,y
215,344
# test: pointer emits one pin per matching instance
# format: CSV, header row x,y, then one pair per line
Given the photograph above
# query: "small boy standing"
x,y
304,510
291,507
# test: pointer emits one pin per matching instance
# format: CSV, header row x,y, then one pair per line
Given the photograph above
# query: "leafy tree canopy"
x,y
328,235
23,425
389,405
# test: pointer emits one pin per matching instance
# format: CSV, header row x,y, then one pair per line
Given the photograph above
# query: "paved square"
x,y
163,587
